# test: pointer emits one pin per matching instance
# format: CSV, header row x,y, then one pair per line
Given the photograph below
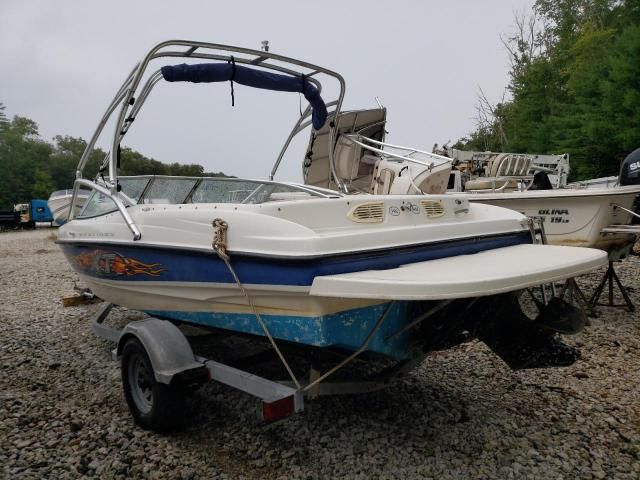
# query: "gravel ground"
x,y
462,414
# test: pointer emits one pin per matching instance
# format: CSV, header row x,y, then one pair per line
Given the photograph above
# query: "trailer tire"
x,y
153,405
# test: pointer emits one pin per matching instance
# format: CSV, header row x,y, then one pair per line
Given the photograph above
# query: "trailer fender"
x,y
168,349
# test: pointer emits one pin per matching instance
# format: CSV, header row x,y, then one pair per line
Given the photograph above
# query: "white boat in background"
x,y
608,182
60,201
580,215
597,217
503,171
596,213
371,275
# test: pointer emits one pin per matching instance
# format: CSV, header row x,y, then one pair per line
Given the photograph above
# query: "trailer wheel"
x,y
154,406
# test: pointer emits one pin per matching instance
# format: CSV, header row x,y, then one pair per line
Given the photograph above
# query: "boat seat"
x,y
352,162
510,164
502,165
347,155
354,165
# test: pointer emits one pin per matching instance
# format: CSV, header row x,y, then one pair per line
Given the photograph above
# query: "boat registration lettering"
x,y
556,215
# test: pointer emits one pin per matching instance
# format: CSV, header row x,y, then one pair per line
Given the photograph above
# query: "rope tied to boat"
x,y
219,245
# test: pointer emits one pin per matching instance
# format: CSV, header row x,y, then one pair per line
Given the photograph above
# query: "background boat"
x,y
598,216
60,201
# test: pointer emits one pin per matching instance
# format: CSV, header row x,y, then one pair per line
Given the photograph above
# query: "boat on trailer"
x,y
369,276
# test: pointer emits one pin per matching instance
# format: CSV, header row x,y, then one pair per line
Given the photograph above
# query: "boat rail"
x,y
378,147
134,91
630,212
116,200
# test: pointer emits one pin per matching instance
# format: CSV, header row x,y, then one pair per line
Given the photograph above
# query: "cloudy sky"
x,y
63,61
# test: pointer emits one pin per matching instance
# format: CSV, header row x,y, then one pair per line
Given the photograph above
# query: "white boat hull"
x,y
464,276
59,206
219,297
318,273
334,311
574,217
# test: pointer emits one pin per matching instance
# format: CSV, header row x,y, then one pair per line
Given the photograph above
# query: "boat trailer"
x,y
159,366
164,365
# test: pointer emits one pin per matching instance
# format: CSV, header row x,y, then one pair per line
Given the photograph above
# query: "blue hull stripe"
x,y
345,330
143,263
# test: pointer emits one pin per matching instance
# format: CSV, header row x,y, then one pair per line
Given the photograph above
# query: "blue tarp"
x,y
222,72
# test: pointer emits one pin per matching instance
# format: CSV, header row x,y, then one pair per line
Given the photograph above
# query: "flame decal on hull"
x,y
110,264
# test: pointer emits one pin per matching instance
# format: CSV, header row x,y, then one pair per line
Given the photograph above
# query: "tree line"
x,y
574,86
33,167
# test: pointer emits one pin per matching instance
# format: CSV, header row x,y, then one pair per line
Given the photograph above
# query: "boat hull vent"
x,y
370,212
432,209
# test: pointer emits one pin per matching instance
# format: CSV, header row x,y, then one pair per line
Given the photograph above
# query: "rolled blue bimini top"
x,y
223,72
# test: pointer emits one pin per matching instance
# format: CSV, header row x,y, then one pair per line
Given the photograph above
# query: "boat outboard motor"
x,y
498,321
541,182
630,169
630,175
524,343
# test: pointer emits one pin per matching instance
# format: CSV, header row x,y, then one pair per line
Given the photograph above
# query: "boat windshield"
x,y
176,190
